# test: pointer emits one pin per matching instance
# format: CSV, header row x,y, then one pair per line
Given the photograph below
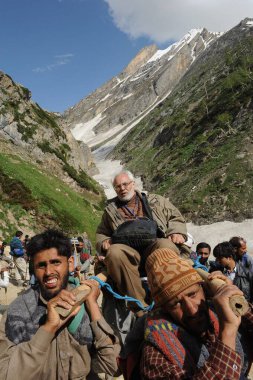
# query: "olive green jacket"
x,y
168,218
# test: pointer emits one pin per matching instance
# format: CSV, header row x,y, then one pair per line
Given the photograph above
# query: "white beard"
x,y
127,197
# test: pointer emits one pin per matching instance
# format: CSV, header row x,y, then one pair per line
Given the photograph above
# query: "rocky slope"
x,y
197,146
148,78
42,134
32,136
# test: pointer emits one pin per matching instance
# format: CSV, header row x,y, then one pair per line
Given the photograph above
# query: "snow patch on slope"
x,y
84,131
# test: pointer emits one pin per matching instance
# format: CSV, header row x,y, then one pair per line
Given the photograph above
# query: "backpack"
x,y
17,252
137,233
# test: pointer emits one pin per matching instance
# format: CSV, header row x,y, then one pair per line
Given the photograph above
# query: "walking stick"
x,y
81,292
238,304
6,298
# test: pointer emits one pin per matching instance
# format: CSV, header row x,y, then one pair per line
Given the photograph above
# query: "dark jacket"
x,y
244,278
16,246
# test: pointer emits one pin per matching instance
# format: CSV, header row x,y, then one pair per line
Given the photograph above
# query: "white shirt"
x,y
231,274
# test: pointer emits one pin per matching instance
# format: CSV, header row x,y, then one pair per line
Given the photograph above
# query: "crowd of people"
x,y
181,328
14,256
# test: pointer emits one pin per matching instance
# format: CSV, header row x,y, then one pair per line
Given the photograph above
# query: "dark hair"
x,y
224,249
80,239
235,241
18,233
49,239
203,245
214,266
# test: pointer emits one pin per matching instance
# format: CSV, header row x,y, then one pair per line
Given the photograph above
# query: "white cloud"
x,y
164,20
59,60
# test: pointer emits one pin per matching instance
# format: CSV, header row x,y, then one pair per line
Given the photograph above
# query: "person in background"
x,y
17,252
26,240
87,243
84,257
3,244
239,273
124,261
4,274
203,251
35,341
184,338
25,243
240,249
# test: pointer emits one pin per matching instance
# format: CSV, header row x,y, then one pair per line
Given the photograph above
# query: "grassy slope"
x,y
40,200
196,147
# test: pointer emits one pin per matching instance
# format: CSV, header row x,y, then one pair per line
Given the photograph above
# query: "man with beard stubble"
x,y
185,337
35,341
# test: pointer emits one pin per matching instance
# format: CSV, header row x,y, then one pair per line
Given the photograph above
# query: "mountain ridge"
x,y
196,147
109,109
189,112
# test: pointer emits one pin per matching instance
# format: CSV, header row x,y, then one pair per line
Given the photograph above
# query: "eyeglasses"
x,y
124,184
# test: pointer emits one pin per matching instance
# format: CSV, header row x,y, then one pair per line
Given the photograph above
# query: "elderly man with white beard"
x,y
125,255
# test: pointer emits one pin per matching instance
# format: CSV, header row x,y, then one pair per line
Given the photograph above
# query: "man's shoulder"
x,y
152,197
160,325
157,318
110,203
249,259
27,297
245,263
111,200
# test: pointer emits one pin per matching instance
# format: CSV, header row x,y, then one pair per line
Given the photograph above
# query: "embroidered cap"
x,y
168,275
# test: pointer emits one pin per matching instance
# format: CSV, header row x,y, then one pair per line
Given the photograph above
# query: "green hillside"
x,y
32,199
196,147
44,172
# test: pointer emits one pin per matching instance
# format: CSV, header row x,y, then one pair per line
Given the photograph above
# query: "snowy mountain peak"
x,y
175,46
113,109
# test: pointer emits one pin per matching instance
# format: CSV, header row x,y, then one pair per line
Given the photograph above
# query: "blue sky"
x,y
62,50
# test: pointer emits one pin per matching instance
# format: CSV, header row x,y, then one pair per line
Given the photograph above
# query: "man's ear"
x,y
71,264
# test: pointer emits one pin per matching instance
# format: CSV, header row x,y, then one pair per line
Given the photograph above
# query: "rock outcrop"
x,y
44,181
126,98
197,146
43,135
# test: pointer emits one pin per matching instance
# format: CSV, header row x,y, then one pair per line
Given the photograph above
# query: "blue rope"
x,y
108,287
198,265
119,297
